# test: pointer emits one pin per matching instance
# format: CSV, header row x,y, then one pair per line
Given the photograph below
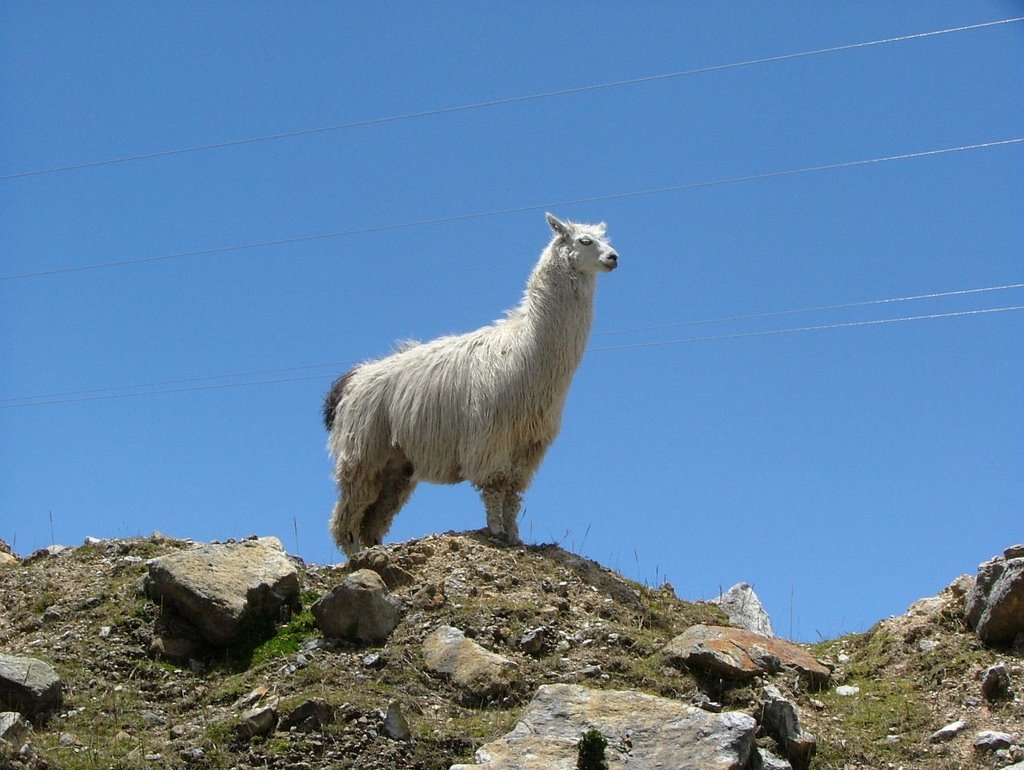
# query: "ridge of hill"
x,y
84,611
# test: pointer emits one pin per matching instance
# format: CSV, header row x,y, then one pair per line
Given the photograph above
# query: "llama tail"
x,y
334,397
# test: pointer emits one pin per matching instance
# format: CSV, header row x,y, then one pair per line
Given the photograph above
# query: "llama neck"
x,y
558,308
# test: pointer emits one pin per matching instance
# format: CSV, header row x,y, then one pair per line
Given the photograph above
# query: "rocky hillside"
x,y
452,651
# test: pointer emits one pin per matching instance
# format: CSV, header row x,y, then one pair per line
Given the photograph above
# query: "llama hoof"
x,y
505,539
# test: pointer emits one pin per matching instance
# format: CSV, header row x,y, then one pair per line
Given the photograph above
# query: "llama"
x,y
481,407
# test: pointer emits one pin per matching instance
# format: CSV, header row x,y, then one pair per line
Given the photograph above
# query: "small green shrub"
x,y
591,751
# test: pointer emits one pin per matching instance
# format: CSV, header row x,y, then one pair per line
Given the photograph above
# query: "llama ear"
x,y
560,228
601,227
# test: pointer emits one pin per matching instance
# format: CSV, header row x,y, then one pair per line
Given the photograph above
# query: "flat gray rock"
x,y
29,686
480,673
781,720
223,589
14,730
644,732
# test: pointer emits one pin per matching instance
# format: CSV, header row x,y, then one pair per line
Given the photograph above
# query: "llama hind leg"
x,y
396,487
501,499
493,497
349,512
510,516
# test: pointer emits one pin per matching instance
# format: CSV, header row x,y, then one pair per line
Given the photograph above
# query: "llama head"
x,y
585,246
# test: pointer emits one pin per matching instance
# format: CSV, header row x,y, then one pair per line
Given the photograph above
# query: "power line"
x,y
182,381
512,210
504,101
817,328
337,365
75,397
816,309
193,389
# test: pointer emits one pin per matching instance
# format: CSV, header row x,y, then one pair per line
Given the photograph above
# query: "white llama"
x,y
481,407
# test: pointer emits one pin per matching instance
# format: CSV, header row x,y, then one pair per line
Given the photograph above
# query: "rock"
x,y
948,732
745,610
7,557
991,740
734,653
45,553
382,562
481,674
395,725
645,731
359,610
225,589
847,690
995,683
309,716
429,597
252,698
258,721
14,730
532,642
29,686
771,762
781,720
995,606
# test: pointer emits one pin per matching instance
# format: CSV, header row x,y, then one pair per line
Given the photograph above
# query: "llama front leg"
x,y
501,499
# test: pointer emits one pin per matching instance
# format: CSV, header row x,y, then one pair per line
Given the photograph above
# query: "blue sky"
x,y
844,471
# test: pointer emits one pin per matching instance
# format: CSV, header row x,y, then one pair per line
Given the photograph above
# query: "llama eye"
x,y
585,241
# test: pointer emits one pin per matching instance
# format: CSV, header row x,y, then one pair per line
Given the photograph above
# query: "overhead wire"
x,y
815,328
514,210
192,384
815,309
504,101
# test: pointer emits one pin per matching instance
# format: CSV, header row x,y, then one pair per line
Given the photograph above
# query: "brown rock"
x,y
733,653
383,563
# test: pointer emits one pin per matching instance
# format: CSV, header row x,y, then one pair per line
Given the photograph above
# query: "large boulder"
x,y
644,732
481,674
29,686
734,653
359,610
745,610
995,606
224,589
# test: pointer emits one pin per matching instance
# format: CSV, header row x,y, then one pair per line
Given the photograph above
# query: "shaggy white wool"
x,y
480,407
